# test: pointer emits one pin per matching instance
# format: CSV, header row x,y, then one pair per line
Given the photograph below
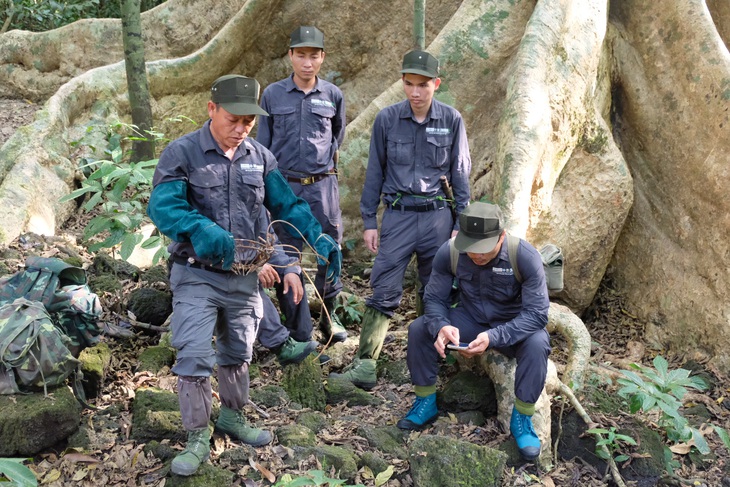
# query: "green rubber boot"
x,y
361,372
372,334
196,452
335,328
233,424
293,352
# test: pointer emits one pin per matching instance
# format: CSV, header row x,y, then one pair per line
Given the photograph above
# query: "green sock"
x,y
524,408
423,391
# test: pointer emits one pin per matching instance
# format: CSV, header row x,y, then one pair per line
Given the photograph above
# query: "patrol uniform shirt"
x,y
303,130
408,158
491,294
228,192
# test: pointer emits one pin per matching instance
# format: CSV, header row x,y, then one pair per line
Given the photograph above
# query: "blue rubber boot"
x,y
423,412
528,443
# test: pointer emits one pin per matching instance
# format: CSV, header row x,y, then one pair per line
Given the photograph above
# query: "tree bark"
x,y
137,86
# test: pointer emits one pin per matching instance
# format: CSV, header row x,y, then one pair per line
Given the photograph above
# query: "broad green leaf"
x,y
661,365
383,477
128,244
621,458
93,201
597,431
152,243
602,453
722,433
19,474
700,441
76,193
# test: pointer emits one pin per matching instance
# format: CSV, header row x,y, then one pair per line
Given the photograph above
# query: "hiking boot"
x,y
293,352
196,452
361,372
234,425
528,443
331,326
422,413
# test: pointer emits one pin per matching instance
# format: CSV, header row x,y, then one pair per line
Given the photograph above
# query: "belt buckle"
x,y
307,180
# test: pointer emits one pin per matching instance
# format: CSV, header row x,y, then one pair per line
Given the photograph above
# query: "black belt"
x,y
190,262
433,205
312,178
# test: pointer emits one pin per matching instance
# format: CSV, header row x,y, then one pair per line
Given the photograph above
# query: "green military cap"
x,y
307,36
238,95
420,62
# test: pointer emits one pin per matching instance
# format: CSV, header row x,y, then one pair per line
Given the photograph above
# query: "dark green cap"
x,y
238,95
480,226
420,62
307,36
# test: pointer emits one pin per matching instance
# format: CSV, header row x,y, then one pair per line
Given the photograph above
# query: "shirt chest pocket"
x,y
207,191
503,288
438,151
401,149
321,119
251,192
284,119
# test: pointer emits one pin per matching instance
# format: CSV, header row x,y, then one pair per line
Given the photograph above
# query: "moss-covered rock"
x,y
471,417
206,476
446,462
150,305
341,458
314,420
388,439
342,390
105,264
303,383
155,358
394,371
374,462
155,275
236,456
94,364
468,391
163,451
269,396
105,283
296,435
650,463
30,423
156,416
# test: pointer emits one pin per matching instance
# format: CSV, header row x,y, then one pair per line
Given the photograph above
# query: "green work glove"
x,y
215,245
326,247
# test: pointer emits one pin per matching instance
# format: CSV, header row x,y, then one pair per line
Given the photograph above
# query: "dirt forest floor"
x,y
618,340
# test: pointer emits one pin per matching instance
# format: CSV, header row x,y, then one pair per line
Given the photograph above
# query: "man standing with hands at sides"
x,y
413,144
210,187
304,131
494,310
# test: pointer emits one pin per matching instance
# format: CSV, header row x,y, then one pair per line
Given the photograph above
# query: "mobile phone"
x,y
460,346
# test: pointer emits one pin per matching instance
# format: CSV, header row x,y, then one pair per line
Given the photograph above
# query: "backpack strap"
x,y
512,244
454,255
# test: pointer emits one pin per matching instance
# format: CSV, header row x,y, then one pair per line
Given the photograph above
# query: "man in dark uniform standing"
x,y
210,187
413,144
494,310
304,131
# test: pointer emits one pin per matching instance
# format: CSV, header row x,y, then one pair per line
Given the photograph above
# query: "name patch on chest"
x,y
252,167
501,271
322,103
438,131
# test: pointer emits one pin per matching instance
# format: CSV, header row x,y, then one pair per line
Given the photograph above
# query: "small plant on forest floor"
x,y
118,190
660,389
614,443
13,471
312,477
350,310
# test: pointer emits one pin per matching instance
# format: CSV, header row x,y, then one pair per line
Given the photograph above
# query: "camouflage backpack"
x,y
34,353
62,289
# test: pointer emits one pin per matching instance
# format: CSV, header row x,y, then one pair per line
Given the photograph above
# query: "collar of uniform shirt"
x,y
291,86
434,112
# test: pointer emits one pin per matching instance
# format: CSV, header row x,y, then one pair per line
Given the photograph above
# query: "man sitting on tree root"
x,y
494,310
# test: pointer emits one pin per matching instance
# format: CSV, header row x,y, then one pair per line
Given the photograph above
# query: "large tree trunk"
x,y
572,116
